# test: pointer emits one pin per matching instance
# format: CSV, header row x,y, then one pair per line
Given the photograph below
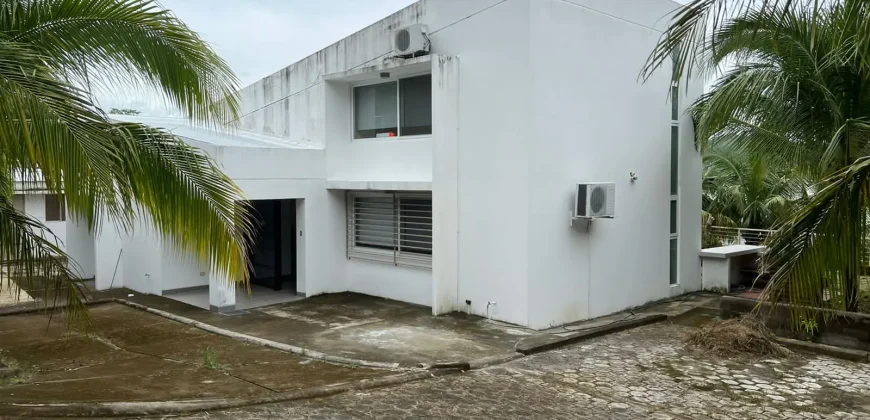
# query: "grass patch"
x,y
744,336
19,374
210,359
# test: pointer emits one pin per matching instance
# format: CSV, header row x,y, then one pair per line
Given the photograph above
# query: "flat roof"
x,y
223,138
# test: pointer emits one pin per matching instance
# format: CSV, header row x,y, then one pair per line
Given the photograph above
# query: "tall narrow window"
x,y
55,210
673,248
415,99
18,202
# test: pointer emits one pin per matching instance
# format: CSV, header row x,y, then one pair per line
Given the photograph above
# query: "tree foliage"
x,y
742,190
52,53
793,89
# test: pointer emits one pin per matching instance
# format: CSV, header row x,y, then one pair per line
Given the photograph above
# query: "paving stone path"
x,y
643,373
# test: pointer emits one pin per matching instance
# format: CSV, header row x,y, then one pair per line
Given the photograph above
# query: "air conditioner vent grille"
x,y
403,40
597,200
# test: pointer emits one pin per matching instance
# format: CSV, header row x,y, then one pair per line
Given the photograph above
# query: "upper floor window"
x,y
397,108
55,211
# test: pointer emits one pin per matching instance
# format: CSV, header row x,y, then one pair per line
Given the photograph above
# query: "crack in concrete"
x,y
114,346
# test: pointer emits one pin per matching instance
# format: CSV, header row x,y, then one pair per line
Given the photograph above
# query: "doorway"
x,y
273,254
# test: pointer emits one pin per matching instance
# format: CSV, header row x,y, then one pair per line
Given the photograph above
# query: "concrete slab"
x,y
131,355
369,328
161,331
191,383
61,353
374,329
11,294
298,374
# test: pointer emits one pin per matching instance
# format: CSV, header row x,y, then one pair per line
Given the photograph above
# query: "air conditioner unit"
x,y
595,200
411,41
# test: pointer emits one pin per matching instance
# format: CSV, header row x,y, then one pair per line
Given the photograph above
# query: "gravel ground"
x,y
643,373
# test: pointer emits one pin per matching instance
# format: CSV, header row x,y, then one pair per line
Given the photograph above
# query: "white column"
x,y
108,255
221,293
445,184
80,246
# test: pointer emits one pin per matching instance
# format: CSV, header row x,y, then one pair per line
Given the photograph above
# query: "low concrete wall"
x,y
843,329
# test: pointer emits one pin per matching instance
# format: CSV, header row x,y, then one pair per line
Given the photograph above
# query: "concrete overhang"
x,y
378,185
397,67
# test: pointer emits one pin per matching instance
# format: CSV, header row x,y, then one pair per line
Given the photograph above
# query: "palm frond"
x,y
127,43
818,253
51,51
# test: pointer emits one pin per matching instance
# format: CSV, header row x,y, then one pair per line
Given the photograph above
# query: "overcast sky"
x,y
260,37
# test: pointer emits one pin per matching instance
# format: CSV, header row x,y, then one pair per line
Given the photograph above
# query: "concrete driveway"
x,y
131,355
363,327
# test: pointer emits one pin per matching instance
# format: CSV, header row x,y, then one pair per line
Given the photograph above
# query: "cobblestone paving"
x,y
643,373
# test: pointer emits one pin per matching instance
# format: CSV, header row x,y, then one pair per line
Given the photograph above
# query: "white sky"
x,y
260,37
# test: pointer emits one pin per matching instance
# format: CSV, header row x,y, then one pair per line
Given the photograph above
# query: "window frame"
x,y
396,256
372,82
674,187
61,202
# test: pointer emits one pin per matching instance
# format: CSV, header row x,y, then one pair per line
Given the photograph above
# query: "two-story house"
x,y
449,178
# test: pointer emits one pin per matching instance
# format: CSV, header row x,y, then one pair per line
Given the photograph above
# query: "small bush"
x,y
746,335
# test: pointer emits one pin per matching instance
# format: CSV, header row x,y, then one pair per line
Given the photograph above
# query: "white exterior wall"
x,y
109,253
530,97
492,163
594,122
180,270
143,267
34,205
80,247
544,92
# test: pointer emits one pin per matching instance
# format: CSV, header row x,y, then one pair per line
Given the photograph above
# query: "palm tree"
x,y
52,53
796,92
744,191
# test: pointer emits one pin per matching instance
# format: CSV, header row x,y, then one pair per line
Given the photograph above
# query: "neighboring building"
x,y
49,209
448,179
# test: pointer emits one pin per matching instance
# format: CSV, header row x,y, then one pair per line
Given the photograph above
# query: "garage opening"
x,y
273,256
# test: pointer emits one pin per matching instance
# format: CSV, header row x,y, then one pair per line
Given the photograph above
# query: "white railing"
x,y
739,236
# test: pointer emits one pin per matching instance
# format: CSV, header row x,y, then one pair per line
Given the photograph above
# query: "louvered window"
x,y
394,228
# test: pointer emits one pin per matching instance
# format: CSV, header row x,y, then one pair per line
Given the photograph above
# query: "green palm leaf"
x,y
52,52
792,91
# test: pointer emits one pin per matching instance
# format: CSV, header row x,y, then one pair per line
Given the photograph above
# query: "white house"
x,y
448,179
69,235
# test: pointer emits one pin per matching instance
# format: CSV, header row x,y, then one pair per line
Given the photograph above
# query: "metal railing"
x,y
742,236
738,236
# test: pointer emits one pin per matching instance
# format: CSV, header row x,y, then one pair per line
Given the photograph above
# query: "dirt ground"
x,y
131,355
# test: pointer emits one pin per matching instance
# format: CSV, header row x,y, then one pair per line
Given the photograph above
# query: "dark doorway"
x,y
273,255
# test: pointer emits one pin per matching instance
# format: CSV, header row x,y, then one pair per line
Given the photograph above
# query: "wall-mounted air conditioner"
x,y
595,200
411,41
